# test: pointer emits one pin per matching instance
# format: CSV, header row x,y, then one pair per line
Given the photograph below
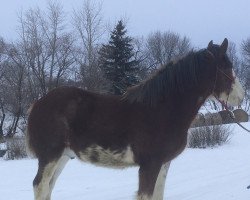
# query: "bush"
x,y
2,148
209,136
16,148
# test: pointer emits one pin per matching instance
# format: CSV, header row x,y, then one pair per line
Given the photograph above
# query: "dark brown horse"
x,y
146,127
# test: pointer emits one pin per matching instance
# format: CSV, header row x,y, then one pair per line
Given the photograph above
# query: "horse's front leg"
x,y
160,182
152,178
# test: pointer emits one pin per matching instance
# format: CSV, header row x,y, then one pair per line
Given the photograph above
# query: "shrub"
x,y
209,136
2,148
15,148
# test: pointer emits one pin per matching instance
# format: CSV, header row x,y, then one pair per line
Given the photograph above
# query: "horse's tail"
x,y
29,150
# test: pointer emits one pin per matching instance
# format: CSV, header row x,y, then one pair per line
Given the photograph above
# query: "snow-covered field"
x,y
211,174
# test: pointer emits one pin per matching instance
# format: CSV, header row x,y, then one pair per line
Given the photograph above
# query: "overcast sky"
x,y
200,20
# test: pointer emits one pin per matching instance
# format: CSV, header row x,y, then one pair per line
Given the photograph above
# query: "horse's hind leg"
x,y
60,165
41,182
46,176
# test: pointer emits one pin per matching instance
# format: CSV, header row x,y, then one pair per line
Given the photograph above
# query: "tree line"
x,y
52,50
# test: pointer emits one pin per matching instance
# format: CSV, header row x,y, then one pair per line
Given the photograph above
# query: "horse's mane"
x,y
175,77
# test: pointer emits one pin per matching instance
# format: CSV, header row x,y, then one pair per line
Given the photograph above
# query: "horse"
x,y
147,126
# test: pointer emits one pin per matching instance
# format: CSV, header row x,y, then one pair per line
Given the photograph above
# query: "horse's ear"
x,y
209,55
223,46
210,44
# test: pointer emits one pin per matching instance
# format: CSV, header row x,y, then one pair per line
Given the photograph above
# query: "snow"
x,y
3,146
222,173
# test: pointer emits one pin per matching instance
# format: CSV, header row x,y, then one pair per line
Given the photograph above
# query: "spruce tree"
x,y
117,60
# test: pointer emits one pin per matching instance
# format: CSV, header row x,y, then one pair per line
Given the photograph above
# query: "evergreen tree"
x,y
117,60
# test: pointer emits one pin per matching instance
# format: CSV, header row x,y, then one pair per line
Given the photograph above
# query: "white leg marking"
x,y
59,167
50,174
41,191
160,182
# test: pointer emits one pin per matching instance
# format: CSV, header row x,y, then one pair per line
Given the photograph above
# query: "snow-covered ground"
x,y
222,173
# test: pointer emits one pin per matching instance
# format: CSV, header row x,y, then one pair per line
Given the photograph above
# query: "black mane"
x,y
175,77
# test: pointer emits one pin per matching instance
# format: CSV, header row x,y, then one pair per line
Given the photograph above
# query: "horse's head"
x,y
226,86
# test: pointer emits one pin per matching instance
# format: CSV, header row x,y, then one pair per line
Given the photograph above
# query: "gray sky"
x,y
200,20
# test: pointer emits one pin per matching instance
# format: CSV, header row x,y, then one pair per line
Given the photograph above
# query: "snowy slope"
x,y
211,174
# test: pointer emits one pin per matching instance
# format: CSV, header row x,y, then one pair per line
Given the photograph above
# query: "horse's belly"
x,y
109,158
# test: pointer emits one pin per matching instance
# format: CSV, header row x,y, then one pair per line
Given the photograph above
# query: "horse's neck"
x,y
187,106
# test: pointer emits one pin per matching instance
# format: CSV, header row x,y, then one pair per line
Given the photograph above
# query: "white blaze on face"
x,y
236,95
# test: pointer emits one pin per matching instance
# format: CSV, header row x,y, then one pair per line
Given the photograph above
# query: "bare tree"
x,y
245,47
2,100
162,47
233,56
87,21
141,56
47,46
245,50
60,44
14,87
38,61
52,27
